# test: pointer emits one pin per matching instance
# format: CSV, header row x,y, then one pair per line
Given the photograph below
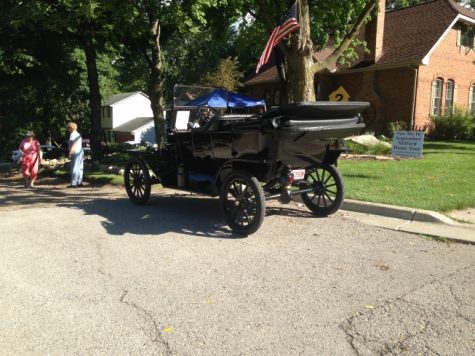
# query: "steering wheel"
x,y
205,113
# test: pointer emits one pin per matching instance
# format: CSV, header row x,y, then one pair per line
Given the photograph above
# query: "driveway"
x,y
83,271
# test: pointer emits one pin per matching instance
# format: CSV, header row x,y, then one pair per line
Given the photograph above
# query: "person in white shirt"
x,y
76,155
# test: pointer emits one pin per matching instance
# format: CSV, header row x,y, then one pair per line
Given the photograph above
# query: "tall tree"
x,y
321,22
147,26
88,23
40,75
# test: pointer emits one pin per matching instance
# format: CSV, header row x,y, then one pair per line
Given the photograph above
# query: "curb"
x,y
416,221
397,212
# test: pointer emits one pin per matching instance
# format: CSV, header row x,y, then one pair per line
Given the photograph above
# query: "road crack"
x,y
389,326
154,333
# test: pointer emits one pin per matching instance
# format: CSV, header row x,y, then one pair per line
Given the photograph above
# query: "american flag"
x,y
287,25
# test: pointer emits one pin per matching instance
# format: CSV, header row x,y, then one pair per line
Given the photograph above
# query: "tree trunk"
x,y
156,89
301,67
94,92
300,60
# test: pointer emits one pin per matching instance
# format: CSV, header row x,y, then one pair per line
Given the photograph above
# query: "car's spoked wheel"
x,y
137,181
328,190
243,203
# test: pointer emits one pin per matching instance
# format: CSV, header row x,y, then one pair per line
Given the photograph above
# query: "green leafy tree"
x,y
40,76
321,23
397,4
147,27
226,75
66,25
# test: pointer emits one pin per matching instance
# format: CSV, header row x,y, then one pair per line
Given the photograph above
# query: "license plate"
x,y
298,174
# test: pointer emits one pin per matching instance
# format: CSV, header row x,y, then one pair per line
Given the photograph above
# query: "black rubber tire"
x,y
137,181
329,190
243,202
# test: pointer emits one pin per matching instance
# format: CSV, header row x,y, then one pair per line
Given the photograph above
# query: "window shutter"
x,y
432,97
470,96
459,36
454,98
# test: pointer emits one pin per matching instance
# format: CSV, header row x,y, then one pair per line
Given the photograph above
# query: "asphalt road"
x,y
83,271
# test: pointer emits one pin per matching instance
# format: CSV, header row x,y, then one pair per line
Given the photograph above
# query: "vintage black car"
x,y
248,158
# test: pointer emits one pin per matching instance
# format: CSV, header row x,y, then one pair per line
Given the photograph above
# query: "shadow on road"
x,y
187,214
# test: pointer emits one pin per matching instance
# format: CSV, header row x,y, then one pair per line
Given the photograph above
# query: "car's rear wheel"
x,y
243,202
137,181
328,190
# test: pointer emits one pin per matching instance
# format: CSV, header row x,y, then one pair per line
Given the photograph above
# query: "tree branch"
x,y
264,13
349,37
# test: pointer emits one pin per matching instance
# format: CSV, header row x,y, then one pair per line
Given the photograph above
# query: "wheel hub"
x,y
319,187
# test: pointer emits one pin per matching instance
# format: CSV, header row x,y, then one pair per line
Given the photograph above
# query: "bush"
x,y
398,126
117,147
459,125
115,159
359,149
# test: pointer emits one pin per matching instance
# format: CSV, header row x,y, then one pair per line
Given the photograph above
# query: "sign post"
x,y
408,143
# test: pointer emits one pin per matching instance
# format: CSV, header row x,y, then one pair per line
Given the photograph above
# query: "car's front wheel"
x,y
137,181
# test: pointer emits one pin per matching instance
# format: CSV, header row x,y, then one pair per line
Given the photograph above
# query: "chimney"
x,y
374,34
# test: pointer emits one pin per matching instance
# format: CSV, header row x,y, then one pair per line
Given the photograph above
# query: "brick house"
x,y
421,63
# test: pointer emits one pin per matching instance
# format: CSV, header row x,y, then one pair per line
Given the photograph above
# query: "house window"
x,y
449,96
465,36
471,99
106,112
436,97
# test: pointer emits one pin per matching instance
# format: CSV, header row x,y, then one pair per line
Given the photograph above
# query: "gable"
x,y
125,97
411,33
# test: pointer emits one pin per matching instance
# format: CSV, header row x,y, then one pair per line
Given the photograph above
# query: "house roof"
x,y
408,39
133,124
114,99
410,34
267,76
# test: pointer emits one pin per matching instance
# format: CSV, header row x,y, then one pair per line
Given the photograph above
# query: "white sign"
x,y
181,121
408,143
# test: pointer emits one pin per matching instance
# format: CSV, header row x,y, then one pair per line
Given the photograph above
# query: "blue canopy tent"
x,y
221,98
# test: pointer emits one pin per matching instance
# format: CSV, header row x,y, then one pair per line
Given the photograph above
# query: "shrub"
x,y
115,159
118,147
457,125
379,149
398,126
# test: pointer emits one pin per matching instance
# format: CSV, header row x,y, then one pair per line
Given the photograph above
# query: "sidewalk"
x,y
415,221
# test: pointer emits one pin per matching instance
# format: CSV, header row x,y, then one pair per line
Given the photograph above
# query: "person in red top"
x,y
31,158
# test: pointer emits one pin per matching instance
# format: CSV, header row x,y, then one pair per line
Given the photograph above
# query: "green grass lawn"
x,y
443,180
94,177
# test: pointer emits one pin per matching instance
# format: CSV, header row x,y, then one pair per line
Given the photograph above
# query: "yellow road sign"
x,y
339,95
